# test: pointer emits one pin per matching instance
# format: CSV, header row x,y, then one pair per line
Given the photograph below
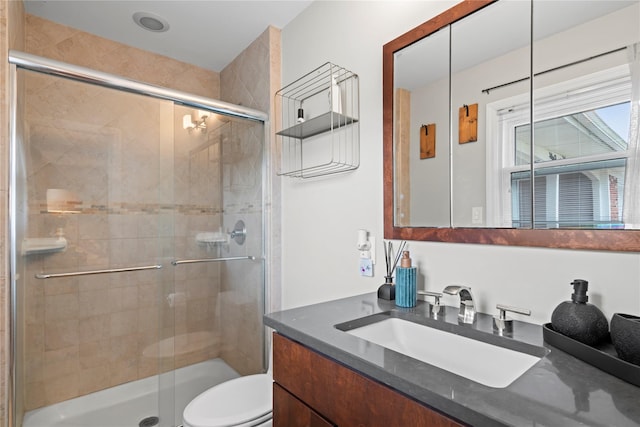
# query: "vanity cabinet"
x,y
311,390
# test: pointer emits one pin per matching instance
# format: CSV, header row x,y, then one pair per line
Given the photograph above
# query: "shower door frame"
x,y
48,66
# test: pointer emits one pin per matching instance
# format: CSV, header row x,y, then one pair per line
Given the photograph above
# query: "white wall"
x,y
321,217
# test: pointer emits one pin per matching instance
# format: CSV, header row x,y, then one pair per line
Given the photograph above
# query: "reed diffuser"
x,y
388,290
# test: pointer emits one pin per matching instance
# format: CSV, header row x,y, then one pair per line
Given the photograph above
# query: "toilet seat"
x,y
241,402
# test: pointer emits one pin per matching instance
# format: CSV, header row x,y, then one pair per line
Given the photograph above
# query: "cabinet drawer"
x,y
343,396
288,411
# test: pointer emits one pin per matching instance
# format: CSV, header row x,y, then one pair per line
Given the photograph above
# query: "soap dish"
x,y
602,356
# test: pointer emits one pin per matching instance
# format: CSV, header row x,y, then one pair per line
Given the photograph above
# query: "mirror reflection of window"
x,y
579,157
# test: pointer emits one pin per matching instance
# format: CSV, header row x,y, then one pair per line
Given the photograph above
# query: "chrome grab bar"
x,y
193,261
84,273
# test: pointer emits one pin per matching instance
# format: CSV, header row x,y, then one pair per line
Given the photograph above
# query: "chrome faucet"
x,y
467,312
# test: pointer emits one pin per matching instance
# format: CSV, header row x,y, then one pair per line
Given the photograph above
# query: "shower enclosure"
x,y
137,249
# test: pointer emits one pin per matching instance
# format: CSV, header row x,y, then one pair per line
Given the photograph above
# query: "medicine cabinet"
x,y
493,68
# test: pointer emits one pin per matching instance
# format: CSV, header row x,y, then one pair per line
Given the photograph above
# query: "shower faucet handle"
x,y
239,232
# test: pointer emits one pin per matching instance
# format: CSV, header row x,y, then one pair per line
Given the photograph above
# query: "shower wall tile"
x,y
94,354
273,196
61,388
60,307
148,322
57,287
51,223
122,323
36,399
92,303
93,253
93,227
60,363
121,226
246,80
94,379
249,80
91,327
148,367
125,298
61,334
34,315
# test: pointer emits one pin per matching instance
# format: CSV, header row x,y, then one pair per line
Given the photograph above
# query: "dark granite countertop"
x,y
559,390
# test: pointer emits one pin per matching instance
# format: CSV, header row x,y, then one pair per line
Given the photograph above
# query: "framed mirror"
x,y
565,67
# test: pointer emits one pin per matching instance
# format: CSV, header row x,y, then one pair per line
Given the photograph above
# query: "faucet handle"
x,y
435,307
504,308
501,323
435,295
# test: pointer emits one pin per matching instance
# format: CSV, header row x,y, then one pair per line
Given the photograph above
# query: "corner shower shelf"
x,y
326,139
43,245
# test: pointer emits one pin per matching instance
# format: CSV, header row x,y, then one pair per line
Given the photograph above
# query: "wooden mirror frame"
x,y
610,240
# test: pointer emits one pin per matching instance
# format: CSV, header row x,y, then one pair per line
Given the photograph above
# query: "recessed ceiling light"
x,y
151,22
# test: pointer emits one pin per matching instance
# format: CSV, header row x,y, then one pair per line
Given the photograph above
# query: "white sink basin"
x,y
478,361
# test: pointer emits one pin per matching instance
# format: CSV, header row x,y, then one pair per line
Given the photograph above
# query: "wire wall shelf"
x,y
320,129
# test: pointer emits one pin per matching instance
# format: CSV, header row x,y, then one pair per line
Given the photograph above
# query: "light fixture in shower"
x,y
151,22
199,123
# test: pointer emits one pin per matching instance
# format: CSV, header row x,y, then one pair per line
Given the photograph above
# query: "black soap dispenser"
x,y
579,320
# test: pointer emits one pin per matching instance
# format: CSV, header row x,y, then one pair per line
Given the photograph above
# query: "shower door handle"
x,y
193,261
85,273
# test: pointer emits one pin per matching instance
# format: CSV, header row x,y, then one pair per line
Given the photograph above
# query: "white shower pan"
x,y
128,404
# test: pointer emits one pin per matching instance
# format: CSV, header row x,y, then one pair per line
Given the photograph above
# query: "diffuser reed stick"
x,y
388,255
388,290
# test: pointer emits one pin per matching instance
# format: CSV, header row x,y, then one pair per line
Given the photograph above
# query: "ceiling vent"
x,y
151,22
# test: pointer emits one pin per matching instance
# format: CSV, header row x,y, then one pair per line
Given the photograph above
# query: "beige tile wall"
x,y
248,81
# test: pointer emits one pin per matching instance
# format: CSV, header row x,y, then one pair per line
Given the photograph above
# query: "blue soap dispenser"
x,y
406,291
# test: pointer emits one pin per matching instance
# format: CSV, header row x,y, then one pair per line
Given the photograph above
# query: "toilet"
x,y
241,402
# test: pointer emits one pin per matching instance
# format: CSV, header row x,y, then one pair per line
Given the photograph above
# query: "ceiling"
x,y
206,33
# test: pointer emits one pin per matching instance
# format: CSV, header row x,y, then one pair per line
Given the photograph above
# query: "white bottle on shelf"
x,y
335,97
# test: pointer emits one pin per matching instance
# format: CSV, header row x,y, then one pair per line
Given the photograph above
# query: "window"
x,y
581,137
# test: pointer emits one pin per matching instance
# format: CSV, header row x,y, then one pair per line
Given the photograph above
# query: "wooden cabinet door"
x,y
342,395
288,411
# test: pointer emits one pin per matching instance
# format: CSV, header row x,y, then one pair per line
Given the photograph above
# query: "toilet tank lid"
x,y
232,402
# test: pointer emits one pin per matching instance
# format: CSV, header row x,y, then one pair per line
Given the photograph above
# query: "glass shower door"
x,y
218,297
95,236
